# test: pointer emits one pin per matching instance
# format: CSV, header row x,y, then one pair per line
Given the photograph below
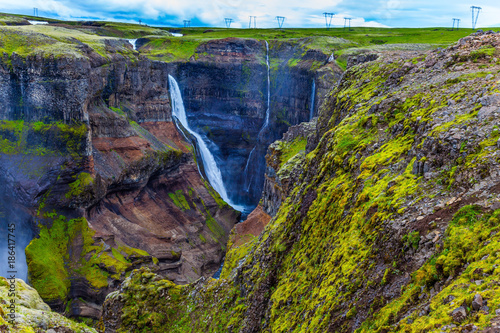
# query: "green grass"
x,y
336,41
361,36
58,41
101,28
291,149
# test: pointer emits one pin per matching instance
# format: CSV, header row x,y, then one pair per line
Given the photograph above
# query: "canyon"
x,y
343,189
384,213
101,176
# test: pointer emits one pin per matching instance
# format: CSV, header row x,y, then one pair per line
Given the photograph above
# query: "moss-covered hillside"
x,y
392,226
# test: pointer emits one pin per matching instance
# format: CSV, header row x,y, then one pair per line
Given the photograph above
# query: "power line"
x,y
475,14
254,22
228,22
347,19
280,20
458,23
187,23
328,19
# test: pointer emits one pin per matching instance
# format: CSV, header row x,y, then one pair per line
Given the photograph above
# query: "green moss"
x,y
130,251
44,138
289,150
202,238
482,53
412,239
471,237
47,259
386,275
321,254
215,195
52,265
236,253
118,110
179,200
80,185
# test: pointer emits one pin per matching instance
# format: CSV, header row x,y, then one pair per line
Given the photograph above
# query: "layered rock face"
x,y
284,162
93,162
391,224
225,91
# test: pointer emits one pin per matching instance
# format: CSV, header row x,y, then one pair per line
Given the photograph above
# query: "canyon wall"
x,y
224,86
97,172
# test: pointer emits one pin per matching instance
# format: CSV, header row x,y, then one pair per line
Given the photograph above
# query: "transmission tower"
x,y
280,20
35,11
458,23
254,18
228,22
346,20
475,14
328,20
187,23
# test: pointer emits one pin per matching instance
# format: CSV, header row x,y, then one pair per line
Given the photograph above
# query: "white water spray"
x,y
313,96
266,122
212,170
133,42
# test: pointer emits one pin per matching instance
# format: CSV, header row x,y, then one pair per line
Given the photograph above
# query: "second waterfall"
x,y
249,175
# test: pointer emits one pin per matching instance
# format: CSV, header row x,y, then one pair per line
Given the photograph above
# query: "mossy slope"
x,y
379,228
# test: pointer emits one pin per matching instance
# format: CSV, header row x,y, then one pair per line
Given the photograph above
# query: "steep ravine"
x,y
99,176
389,219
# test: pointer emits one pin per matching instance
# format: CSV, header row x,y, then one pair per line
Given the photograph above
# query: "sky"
x,y
298,13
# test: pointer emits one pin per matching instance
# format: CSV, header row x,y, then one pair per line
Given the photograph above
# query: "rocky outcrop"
x,y
30,313
284,165
365,241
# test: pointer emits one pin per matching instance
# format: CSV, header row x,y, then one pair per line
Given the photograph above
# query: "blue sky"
x,y
298,13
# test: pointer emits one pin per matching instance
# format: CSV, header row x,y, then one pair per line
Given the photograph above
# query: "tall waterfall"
x,y
248,178
313,96
212,170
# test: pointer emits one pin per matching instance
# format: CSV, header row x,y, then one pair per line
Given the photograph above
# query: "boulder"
x,y
459,314
477,302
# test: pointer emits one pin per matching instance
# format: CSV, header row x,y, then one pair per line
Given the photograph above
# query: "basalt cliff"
x,y
384,213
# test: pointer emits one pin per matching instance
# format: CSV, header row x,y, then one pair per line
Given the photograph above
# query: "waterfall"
x,y
313,96
212,170
268,90
248,182
133,42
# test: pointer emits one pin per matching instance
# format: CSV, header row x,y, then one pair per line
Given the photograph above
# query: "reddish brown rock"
x,y
253,225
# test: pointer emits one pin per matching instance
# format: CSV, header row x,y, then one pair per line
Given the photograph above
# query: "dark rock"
x,y
459,314
477,302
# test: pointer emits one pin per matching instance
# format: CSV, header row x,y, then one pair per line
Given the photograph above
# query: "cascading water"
x,y
133,42
212,170
248,178
313,96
